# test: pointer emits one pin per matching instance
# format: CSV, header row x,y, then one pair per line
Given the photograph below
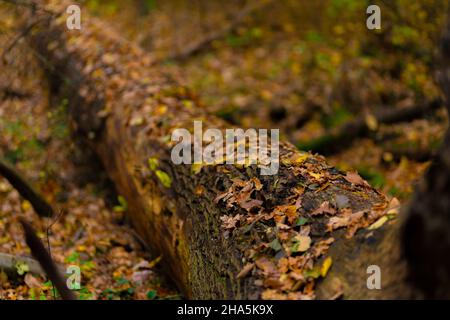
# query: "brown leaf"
x,y
321,247
291,214
339,221
271,294
301,244
267,266
355,178
257,183
283,265
245,270
229,222
324,208
32,282
290,211
221,196
251,203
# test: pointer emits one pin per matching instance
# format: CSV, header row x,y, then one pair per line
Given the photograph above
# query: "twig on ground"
x,y
48,265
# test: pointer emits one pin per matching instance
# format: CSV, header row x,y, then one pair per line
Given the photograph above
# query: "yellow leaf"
x,y
22,267
4,187
162,109
315,175
26,205
81,248
164,178
371,122
199,190
378,223
154,262
301,158
266,95
117,274
98,73
136,121
388,157
196,168
153,163
326,265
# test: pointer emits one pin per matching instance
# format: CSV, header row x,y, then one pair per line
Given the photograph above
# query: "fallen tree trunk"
x,y
225,231
9,263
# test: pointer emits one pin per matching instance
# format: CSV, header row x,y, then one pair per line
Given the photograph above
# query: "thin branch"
x,y
48,265
21,35
39,204
11,93
221,33
29,4
47,231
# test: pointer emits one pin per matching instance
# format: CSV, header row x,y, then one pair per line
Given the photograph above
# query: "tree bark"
x,y
425,235
225,231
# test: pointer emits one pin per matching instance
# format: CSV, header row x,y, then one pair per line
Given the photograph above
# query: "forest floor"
x,y
90,229
262,74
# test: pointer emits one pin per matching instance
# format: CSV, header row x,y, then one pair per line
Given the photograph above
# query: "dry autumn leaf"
x,y
324,208
245,270
377,224
229,222
267,266
355,178
301,243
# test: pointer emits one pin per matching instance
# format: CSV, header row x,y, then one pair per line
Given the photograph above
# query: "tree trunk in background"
x,y
426,236
217,226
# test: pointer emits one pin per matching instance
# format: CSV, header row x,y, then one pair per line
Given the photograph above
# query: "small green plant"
x,y
122,206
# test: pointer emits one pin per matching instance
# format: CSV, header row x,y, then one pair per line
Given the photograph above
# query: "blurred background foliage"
x,y
306,67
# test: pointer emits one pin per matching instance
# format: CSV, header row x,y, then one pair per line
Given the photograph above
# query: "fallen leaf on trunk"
x,y
267,266
250,204
229,222
355,178
377,224
326,265
324,208
245,270
301,243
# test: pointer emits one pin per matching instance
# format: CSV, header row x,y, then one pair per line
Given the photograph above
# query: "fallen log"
x,y
224,231
10,263
343,136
